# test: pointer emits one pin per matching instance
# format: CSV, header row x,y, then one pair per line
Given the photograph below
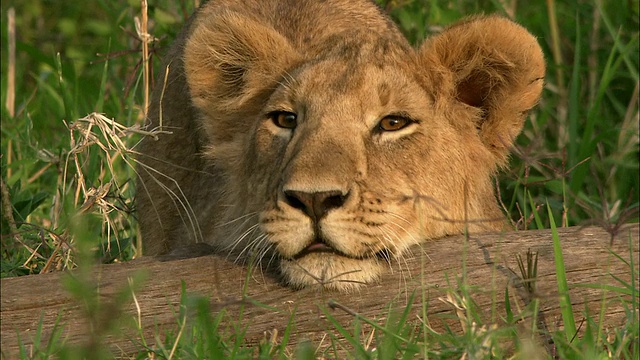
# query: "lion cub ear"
x,y
496,68
231,59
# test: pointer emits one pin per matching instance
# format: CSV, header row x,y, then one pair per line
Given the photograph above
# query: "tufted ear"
x,y
231,59
493,66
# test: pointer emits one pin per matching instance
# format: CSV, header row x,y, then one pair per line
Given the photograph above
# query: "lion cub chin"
x,y
311,136
331,272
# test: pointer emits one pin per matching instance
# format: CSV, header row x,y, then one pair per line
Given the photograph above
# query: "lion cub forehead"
x,y
338,84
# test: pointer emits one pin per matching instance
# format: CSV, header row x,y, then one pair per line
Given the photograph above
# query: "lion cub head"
x,y
346,146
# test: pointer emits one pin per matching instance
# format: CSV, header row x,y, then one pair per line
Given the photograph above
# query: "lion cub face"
x,y
342,201
347,152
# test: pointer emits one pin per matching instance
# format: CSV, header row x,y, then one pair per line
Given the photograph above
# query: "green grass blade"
x,y
587,143
561,276
507,306
616,289
287,334
69,105
103,84
633,69
536,215
348,336
575,108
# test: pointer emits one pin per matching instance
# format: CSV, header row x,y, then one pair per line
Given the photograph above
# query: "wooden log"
x,y
489,263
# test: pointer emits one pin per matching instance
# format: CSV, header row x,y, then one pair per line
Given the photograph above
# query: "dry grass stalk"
x,y
11,79
510,7
11,62
7,208
629,132
143,34
560,88
105,199
629,136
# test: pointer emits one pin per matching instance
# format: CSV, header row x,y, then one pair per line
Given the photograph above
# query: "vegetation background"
x,y
61,160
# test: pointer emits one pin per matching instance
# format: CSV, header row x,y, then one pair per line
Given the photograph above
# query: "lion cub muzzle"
x,y
315,205
318,185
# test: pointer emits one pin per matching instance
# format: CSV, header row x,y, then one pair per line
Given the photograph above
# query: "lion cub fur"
x,y
381,145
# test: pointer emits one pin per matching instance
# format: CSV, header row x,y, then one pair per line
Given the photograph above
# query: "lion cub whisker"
x,y
241,217
177,198
246,246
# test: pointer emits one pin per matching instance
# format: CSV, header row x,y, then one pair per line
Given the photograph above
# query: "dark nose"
x,y
316,204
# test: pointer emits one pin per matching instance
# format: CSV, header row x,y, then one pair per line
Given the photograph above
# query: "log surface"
x,y
489,263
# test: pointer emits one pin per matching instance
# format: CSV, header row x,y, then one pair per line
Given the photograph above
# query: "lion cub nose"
x,y
315,204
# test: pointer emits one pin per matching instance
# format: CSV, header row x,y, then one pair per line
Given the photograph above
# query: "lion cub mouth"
x,y
318,246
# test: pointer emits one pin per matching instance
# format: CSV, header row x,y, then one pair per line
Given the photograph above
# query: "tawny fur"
x,y
224,175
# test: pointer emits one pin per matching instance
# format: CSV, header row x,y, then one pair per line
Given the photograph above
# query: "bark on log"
x,y
490,265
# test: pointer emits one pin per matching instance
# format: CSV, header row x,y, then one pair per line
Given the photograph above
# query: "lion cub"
x,y
309,135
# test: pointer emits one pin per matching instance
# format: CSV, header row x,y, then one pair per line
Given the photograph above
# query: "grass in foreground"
x,y
516,332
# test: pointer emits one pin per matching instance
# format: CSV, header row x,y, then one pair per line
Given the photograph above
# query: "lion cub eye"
x,y
284,119
393,123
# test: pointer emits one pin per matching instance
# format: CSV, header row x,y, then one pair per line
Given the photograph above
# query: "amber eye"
x,y
284,119
393,123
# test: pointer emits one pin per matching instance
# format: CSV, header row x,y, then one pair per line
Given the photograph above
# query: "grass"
x,y
577,156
